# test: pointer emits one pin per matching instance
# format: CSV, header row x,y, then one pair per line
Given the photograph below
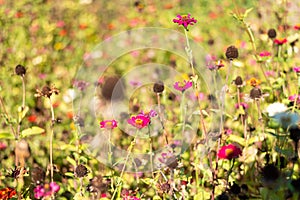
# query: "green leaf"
x,y
286,152
237,139
35,130
7,135
247,12
71,160
22,112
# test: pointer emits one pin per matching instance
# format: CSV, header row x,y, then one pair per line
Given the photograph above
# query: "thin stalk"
x,y
129,150
161,118
5,112
24,93
190,56
150,152
51,139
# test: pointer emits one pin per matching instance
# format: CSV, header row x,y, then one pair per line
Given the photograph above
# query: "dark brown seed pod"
x,y
158,87
255,93
20,70
272,33
238,81
232,53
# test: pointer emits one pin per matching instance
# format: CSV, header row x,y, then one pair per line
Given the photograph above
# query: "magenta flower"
x,y
139,121
182,86
108,124
229,152
270,73
296,69
297,27
39,192
130,198
264,54
243,104
45,190
185,20
294,97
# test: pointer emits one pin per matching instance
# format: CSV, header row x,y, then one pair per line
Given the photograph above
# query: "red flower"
x,y
139,121
280,41
297,27
229,152
63,32
7,193
185,20
108,124
32,118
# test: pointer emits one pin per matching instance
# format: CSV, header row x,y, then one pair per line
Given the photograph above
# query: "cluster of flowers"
x,y
46,190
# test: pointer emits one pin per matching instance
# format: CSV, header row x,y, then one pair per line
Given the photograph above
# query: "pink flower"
x,y
45,190
2,146
182,86
280,41
264,54
131,198
139,121
60,24
185,20
243,104
270,73
80,84
229,152
151,113
296,69
293,98
39,192
108,124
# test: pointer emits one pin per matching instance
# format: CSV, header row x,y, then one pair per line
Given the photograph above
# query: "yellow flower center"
x,y
228,152
139,121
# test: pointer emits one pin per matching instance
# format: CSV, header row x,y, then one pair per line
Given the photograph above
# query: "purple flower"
x,y
185,20
182,86
45,190
151,113
39,192
139,121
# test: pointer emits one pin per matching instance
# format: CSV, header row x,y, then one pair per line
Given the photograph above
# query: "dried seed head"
x,y
272,33
81,171
255,93
20,70
238,81
232,53
158,87
97,184
165,187
172,96
47,91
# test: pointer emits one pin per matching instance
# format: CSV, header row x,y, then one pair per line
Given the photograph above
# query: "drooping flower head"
x,y
139,121
108,124
229,152
185,20
182,86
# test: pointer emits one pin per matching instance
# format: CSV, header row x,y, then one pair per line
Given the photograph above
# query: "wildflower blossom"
x,y
253,82
2,146
80,84
297,27
108,124
264,54
229,152
150,113
182,86
45,190
296,69
294,97
280,41
139,121
243,104
275,108
185,20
